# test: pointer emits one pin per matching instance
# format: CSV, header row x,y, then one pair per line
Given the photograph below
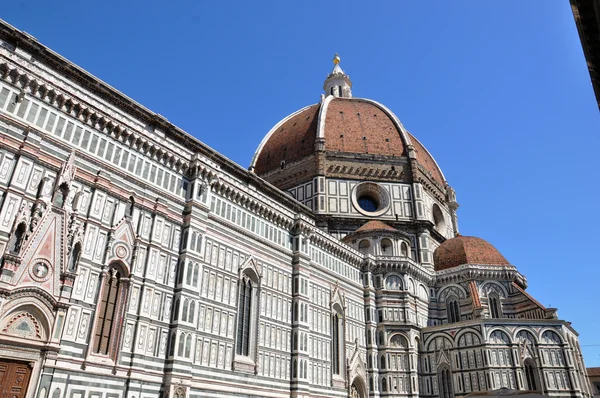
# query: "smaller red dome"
x,y
466,250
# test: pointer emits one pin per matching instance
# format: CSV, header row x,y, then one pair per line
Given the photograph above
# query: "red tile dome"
x,y
345,125
466,250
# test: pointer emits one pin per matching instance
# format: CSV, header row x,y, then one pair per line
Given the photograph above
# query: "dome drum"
x,y
370,199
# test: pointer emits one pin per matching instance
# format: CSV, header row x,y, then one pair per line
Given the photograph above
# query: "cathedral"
x,y
137,262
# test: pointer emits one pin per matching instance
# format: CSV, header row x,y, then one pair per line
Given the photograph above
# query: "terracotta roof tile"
x,y
466,250
593,371
356,126
293,141
351,125
425,160
375,225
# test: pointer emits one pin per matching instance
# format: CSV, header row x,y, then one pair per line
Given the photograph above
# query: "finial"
x,y
336,59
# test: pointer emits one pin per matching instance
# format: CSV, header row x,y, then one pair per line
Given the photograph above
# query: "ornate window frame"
x,y
247,318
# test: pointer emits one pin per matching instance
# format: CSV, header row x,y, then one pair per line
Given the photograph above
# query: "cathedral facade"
x,y
137,262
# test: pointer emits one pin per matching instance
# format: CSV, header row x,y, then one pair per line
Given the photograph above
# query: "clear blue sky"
x,y
498,91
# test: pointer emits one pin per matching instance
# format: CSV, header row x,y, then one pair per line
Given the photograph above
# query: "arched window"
x,y
445,383
188,345
530,375
74,260
295,344
364,246
199,243
393,282
247,291
438,218
17,238
337,340
193,241
112,294
184,310
495,305
386,247
382,361
180,350
195,277
192,312
335,337
383,384
404,249
453,310
190,270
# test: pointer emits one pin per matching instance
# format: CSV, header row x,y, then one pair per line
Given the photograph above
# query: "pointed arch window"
x,y
190,270
184,311
248,293
495,305
109,311
337,339
453,310
445,383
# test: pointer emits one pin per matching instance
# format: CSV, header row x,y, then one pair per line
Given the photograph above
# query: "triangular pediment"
x,y
252,264
43,257
337,297
124,240
124,232
443,358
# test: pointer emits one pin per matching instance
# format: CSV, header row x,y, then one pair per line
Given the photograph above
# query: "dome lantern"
x,y
338,83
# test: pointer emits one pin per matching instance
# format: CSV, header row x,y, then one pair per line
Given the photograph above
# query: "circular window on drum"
x,y
370,199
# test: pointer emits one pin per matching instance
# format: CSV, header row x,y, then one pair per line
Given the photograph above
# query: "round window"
x,y
370,199
368,203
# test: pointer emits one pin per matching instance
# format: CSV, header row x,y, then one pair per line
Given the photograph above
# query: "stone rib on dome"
x,y
425,159
466,250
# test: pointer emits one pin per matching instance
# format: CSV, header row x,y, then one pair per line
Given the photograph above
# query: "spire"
x,y
338,83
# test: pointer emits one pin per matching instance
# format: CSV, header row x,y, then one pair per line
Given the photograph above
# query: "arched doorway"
x,y
358,389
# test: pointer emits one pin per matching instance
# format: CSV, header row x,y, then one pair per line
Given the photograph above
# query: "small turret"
x,y
338,83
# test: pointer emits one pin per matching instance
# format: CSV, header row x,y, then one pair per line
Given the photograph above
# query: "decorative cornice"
x,y
383,264
470,272
93,117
